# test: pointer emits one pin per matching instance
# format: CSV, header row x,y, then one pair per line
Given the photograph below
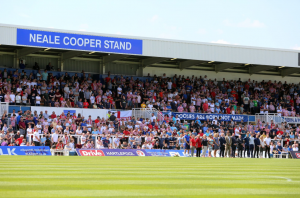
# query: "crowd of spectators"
x,y
70,131
176,94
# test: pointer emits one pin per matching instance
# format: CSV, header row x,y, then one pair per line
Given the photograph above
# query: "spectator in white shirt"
x,y
153,118
38,100
36,138
54,137
83,139
267,141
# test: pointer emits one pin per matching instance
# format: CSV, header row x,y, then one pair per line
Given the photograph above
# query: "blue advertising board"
x,y
25,150
158,152
290,119
167,153
204,116
79,42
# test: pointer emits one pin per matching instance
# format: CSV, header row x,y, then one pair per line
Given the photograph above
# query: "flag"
x,y
122,114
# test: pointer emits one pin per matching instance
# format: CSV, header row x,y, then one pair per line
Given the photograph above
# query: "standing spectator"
x,y
216,144
267,142
186,144
45,75
262,146
36,138
233,145
123,103
204,145
228,145
251,142
198,145
22,126
54,138
222,145
257,145
193,143
38,100
66,91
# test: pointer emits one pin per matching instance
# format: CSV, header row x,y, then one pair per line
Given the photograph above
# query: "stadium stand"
x,y
163,96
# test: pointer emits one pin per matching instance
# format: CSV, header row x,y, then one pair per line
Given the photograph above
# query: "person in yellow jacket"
x,y
143,105
108,114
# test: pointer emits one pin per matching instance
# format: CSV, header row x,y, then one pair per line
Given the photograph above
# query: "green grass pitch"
x,y
47,176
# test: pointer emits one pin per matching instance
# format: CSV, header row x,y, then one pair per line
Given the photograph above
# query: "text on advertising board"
x,y
203,116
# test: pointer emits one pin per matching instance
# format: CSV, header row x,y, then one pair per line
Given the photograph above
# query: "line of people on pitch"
x,y
251,146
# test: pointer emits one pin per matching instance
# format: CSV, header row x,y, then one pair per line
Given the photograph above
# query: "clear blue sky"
x,y
265,23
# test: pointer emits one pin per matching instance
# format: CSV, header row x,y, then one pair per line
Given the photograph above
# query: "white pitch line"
x,y
288,179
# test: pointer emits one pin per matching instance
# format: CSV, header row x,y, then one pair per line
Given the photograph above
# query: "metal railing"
x,y
3,107
147,113
268,117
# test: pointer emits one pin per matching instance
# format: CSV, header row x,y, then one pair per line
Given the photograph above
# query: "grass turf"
x,y
47,176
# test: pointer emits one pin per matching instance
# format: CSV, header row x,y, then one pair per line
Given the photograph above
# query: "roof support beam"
x,y
189,63
149,61
70,54
26,51
113,57
224,66
289,71
256,69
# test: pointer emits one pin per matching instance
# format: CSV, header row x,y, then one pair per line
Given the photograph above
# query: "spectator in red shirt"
x,y
205,107
279,132
228,110
107,79
126,132
53,115
247,86
60,146
20,139
193,145
85,104
97,120
213,94
292,102
74,116
110,100
200,133
62,116
199,144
